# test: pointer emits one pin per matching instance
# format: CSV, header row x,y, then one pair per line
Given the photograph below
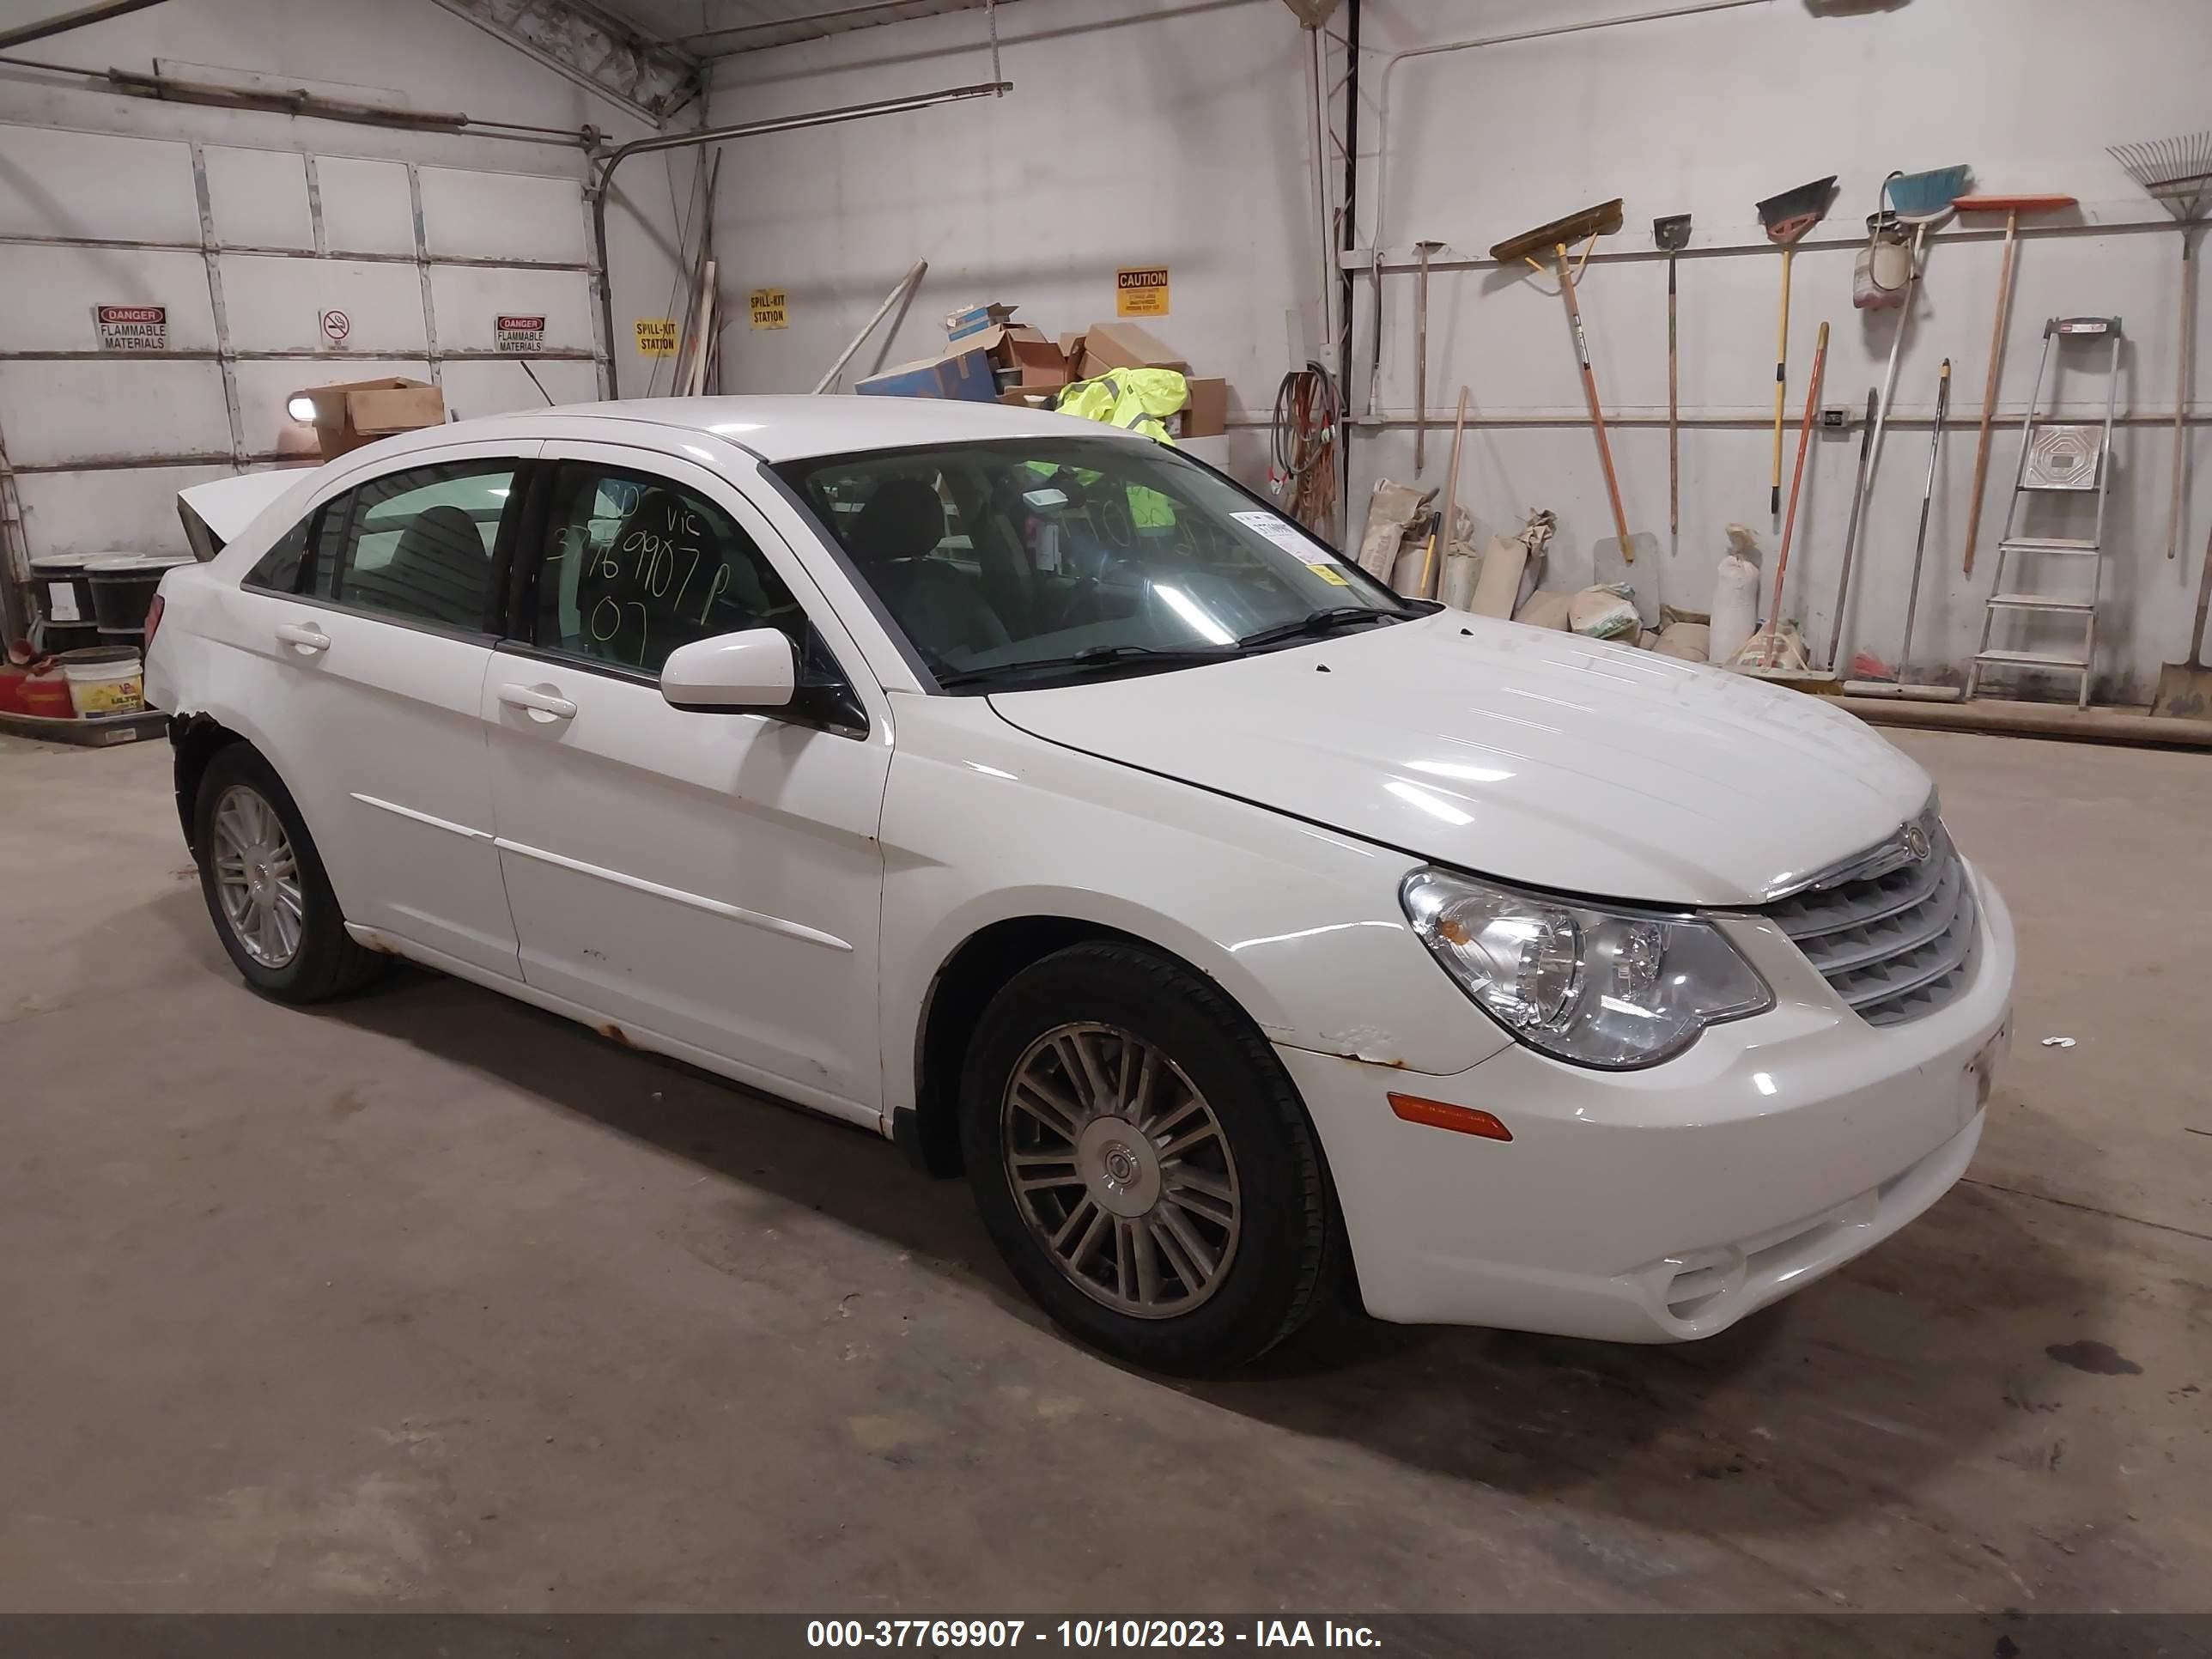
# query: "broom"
x,y
2178,173
1786,218
1592,222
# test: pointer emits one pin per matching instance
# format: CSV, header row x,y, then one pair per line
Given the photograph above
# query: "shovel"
x,y
2184,687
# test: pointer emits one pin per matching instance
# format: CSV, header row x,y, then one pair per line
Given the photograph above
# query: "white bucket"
x,y
105,680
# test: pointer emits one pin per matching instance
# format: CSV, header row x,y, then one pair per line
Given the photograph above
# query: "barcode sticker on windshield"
x,y
1278,531
1330,573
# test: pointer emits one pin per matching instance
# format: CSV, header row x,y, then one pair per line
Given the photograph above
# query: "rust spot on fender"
x,y
615,1033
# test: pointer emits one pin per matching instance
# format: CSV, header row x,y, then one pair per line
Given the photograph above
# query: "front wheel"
x,y
1143,1163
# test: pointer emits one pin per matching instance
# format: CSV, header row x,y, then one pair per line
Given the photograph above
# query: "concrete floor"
x,y
428,1301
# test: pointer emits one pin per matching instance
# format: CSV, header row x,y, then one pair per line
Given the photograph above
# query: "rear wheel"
x,y
1143,1162
265,886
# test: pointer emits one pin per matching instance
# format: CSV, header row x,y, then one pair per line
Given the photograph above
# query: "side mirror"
x,y
754,670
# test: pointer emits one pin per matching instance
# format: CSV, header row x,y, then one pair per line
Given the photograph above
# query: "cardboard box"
x,y
1127,345
1206,415
974,320
963,373
360,412
1033,360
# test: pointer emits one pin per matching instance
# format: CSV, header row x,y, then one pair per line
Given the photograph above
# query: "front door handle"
x,y
537,702
306,635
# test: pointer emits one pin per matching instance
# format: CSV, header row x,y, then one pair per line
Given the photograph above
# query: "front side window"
x,y
1023,562
635,566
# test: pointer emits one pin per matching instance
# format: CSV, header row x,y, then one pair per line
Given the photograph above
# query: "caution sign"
x,y
769,309
1140,291
512,333
656,336
131,328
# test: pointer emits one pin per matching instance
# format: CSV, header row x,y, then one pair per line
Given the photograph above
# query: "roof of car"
x,y
794,427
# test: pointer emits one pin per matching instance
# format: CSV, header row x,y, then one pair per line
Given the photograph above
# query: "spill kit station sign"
x,y
1140,291
515,333
656,336
770,308
131,328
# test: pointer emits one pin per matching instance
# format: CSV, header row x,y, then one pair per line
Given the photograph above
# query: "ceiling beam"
x,y
590,47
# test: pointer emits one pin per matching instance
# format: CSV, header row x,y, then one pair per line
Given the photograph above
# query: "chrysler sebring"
x,y
1035,796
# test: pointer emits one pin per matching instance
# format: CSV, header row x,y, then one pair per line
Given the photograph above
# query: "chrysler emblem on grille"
x,y
1917,843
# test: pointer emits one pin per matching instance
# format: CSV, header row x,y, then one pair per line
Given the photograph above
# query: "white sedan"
x,y
1037,797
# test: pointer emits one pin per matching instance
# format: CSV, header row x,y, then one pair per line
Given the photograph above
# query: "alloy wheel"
x,y
257,878
1121,1169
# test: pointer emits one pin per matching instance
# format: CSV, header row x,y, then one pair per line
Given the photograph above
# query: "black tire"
x,y
326,963
1272,1278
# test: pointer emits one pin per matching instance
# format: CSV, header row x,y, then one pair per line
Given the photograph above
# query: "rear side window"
x,y
416,544
636,566
284,566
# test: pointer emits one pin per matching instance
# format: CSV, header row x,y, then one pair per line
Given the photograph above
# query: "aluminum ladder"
x,y
2055,457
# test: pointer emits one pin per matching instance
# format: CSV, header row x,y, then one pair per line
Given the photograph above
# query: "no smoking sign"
x,y
336,326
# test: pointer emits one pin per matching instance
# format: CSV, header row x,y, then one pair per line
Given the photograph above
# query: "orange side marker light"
x,y
1439,1115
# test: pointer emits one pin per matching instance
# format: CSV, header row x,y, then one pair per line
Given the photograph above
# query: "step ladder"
x,y
2062,458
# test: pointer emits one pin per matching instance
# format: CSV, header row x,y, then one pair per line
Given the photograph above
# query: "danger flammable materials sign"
x,y
131,328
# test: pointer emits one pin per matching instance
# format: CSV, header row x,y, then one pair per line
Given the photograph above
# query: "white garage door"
x,y
164,300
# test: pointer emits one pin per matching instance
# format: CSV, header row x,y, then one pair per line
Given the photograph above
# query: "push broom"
x,y
1786,218
2178,171
1603,219
1897,687
2012,207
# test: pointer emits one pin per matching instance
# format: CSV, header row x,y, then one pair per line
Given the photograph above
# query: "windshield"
x,y
1023,562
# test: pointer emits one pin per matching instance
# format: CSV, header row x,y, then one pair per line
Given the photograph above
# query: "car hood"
x,y
1533,755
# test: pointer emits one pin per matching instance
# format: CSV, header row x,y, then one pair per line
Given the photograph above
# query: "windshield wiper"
x,y
1314,623
1096,656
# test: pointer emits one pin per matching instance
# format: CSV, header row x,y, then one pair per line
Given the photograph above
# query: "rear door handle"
x,y
537,702
306,635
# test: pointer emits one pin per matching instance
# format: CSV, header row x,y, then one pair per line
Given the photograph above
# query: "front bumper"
x,y
1665,1204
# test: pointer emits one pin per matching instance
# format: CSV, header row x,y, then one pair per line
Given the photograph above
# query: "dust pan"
x,y
1621,550
2184,687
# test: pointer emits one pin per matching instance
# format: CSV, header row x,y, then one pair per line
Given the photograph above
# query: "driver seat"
x,y
940,608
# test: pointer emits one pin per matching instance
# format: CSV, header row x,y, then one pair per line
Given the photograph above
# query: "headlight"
x,y
1609,988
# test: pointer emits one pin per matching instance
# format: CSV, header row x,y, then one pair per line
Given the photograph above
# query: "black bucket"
x,y
124,586
65,590
54,637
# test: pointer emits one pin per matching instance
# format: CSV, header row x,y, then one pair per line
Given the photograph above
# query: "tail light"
x,y
153,622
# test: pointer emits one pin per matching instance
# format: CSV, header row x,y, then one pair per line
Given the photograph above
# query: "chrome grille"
x,y
1893,933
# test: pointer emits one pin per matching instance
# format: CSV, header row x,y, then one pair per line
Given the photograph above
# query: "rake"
x,y
1603,219
1786,218
2178,173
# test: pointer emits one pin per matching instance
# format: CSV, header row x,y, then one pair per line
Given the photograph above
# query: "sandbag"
x,y
1605,612
1547,608
1500,585
1691,641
